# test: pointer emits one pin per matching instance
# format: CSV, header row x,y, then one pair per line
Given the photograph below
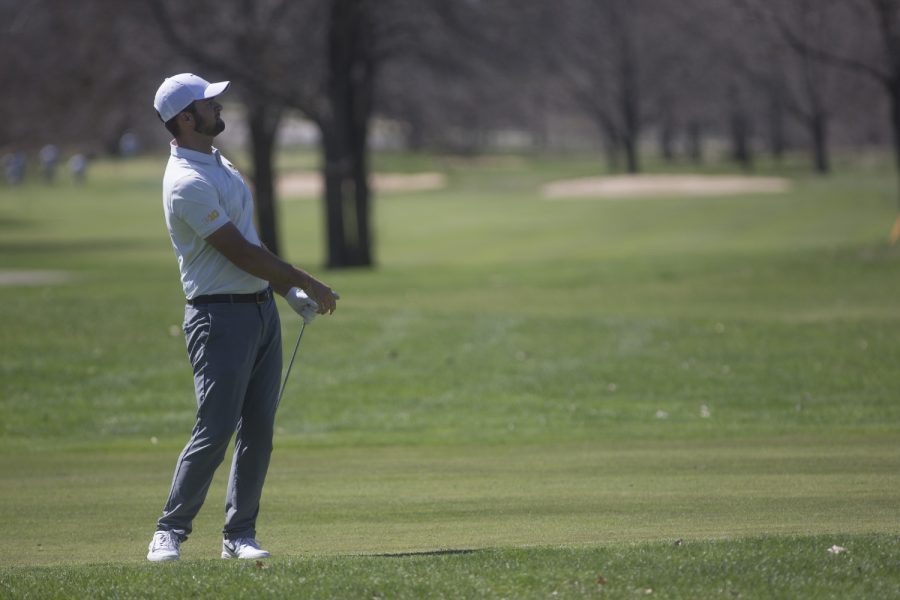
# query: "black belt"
x,y
257,298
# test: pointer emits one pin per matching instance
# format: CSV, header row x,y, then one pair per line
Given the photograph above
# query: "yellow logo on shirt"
x,y
212,216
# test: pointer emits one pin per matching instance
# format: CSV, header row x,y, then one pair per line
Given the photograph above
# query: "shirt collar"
x,y
193,155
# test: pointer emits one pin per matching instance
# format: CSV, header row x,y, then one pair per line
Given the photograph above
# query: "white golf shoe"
x,y
164,546
243,548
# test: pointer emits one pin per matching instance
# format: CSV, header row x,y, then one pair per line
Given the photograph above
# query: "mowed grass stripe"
x,y
416,499
822,567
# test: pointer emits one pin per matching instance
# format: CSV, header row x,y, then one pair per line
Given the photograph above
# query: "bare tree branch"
x,y
803,48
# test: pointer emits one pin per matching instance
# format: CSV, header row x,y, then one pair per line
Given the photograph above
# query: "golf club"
x,y
291,364
294,355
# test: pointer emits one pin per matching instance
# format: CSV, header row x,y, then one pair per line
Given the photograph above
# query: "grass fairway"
x,y
771,567
695,397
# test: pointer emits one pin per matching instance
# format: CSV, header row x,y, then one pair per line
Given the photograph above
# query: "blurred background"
x,y
629,82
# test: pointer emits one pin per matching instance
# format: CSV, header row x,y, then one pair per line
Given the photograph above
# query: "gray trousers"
x,y
235,350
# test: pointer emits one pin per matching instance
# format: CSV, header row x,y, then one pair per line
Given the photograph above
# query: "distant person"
x,y
14,165
231,322
49,157
78,164
129,145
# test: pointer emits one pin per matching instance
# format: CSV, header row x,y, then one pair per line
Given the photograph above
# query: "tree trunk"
x,y
629,90
894,91
415,135
345,136
347,200
631,119
819,128
262,121
334,175
632,158
740,140
777,135
362,251
667,140
612,141
695,142
739,127
611,150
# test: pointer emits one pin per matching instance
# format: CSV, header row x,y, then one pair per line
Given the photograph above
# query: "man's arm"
x,y
259,262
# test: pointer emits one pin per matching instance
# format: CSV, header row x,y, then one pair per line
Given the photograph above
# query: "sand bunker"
x,y
21,278
660,186
309,185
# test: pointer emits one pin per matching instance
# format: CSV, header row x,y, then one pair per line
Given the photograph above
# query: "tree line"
x,y
752,75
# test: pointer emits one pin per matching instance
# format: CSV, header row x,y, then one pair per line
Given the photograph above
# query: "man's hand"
x,y
323,295
302,304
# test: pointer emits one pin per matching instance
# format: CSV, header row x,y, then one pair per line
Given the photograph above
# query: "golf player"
x,y
231,323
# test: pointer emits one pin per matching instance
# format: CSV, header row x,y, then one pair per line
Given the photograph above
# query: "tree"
x,y
316,57
794,82
621,61
460,70
598,55
63,85
875,56
344,123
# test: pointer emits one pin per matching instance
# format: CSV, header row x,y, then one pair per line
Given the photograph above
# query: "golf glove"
x,y
302,304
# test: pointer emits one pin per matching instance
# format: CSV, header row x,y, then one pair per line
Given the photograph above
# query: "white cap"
x,y
177,92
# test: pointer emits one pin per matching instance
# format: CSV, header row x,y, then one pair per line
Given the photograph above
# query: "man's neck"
x,y
197,143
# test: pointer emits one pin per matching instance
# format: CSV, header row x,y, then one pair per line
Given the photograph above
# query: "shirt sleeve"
x,y
196,202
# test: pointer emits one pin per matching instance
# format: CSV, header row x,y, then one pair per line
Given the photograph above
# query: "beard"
x,y
206,128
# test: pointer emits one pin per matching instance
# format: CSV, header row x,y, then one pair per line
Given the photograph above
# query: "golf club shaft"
x,y
291,364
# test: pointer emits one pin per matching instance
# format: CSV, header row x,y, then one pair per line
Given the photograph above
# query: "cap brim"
x,y
214,89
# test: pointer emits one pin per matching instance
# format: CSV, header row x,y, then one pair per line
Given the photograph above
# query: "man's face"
x,y
206,117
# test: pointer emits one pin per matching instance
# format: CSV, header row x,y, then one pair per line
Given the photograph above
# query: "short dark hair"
x,y
172,124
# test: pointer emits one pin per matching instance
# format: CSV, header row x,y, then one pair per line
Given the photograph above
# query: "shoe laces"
x,y
251,542
166,539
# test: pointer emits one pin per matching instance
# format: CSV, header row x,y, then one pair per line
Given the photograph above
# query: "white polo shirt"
x,y
201,193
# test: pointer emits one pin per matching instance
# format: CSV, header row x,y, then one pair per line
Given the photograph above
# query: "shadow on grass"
x,y
15,223
448,552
